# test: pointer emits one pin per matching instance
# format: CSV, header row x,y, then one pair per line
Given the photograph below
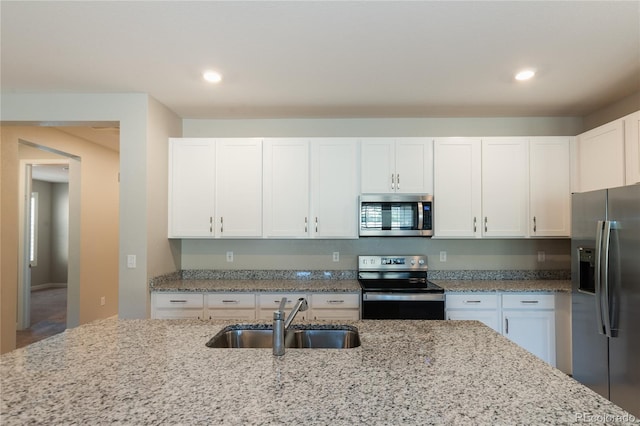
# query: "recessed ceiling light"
x,y
212,76
525,75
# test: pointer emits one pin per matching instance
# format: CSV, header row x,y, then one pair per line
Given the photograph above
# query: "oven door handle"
x,y
402,297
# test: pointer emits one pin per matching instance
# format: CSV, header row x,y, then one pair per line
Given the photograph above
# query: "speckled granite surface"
x,y
505,285
144,372
223,285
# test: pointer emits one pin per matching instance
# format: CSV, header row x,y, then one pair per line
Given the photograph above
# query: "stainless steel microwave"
x,y
396,215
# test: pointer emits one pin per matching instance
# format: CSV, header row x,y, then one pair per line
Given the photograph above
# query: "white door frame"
x,y
24,273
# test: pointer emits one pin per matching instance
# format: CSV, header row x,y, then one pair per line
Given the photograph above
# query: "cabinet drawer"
x,y
528,301
335,301
179,300
472,301
272,300
231,314
231,300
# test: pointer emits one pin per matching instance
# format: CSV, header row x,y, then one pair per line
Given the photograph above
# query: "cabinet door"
x,y
549,183
238,188
191,187
334,188
505,189
489,318
378,166
632,148
286,188
457,187
533,330
414,166
601,160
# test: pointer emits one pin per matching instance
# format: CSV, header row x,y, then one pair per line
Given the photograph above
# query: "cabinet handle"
x,y
535,226
316,224
334,302
531,302
472,301
485,224
393,181
398,181
506,326
221,224
277,302
474,224
210,224
305,224
231,301
177,301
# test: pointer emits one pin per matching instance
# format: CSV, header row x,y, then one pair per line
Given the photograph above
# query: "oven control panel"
x,y
382,263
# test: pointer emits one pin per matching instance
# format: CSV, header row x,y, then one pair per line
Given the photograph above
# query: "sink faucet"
x,y
280,325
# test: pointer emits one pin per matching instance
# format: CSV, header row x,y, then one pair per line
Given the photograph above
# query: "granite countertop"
x,y
505,285
231,285
406,372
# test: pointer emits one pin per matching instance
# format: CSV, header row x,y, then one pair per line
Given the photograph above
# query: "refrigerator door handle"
x,y
606,244
598,277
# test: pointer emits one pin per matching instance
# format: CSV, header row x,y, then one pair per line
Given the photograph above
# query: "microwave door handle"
x,y
420,216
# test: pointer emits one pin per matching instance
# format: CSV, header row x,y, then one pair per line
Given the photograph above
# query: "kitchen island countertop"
x,y
406,372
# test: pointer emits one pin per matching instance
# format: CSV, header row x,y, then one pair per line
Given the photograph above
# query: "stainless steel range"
x,y
396,287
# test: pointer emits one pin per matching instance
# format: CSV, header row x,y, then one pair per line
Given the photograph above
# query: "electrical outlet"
x,y
443,256
229,256
336,256
542,256
103,301
131,261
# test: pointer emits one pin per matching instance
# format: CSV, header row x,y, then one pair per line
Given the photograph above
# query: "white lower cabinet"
x,y
474,306
248,306
177,305
527,319
270,302
335,306
241,306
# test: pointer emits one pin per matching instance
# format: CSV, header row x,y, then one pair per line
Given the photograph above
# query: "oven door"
x,y
423,306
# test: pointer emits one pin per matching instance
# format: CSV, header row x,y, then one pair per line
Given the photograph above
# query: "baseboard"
x,y
48,286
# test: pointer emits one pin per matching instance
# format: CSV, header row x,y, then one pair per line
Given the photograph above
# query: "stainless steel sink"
x,y
297,337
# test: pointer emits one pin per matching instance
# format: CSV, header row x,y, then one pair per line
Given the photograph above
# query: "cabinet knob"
x,y
474,224
393,181
535,226
398,181
485,224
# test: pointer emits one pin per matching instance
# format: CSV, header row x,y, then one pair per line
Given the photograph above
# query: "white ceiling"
x,y
330,58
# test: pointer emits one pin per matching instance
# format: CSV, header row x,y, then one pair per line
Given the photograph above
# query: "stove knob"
x,y
421,261
413,262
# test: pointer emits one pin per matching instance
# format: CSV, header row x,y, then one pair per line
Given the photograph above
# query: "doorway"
x,y
47,244
48,272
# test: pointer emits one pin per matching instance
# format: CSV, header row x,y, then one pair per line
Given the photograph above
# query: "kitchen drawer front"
x,y
179,300
335,301
472,301
177,313
528,301
272,300
231,314
231,300
336,314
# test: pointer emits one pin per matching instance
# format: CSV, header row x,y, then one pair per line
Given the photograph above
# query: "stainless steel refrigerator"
x,y
606,293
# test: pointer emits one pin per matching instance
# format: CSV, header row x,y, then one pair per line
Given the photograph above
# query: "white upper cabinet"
x,y
215,188
505,187
397,165
238,188
457,187
334,188
601,157
286,188
191,187
632,147
549,184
